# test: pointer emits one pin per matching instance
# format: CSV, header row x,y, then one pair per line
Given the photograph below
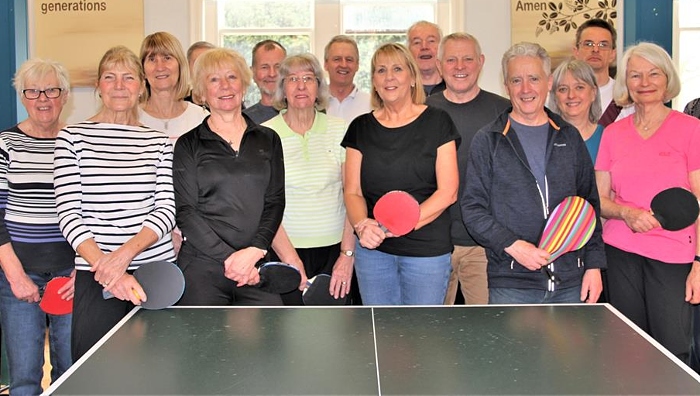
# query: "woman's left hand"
x,y
341,277
110,267
240,266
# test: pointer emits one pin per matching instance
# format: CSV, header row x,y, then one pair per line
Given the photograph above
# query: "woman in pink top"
x,y
653,274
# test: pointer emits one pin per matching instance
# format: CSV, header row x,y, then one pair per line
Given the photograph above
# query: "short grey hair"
x,y
533,50
36,69
459,36
583,72
305,62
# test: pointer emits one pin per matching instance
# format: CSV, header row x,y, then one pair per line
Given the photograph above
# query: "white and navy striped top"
x,y
28,217
111,180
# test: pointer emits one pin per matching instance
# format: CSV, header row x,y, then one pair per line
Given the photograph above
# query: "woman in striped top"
x,y
114,195
32,249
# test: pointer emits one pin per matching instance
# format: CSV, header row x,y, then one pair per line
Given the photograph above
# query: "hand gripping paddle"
x,y
568,228
51,302
162,281
397,212
675,208
317,292
278,278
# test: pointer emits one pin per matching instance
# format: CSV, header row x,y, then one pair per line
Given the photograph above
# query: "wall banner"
x,y
77,33
553,24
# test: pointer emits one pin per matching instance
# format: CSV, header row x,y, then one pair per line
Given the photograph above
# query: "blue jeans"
x,y
386,279
502,295
24,332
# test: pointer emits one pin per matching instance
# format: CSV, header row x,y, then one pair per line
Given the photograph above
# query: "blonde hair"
x,y
399,52
122,56
213,59
164,43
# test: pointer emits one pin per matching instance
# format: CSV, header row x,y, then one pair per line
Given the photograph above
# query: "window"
x,y
243,23
688,56
372,24
307,25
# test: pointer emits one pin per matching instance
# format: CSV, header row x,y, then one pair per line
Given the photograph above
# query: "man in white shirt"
x,y
341,61
596,45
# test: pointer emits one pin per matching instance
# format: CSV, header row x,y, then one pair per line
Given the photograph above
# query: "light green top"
x,y
314,215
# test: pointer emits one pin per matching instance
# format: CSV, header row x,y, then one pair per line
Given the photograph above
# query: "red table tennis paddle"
x,y
51,302
318,292
278,278
397,212
675,208
568,228
162,281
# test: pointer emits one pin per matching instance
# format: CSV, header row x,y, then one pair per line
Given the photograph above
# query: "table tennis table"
x,y
436,350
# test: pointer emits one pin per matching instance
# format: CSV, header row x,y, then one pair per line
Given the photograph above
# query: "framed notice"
x,y
77,33
552,24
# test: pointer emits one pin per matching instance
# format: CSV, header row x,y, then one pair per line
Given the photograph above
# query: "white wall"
x,y
488,20
160,15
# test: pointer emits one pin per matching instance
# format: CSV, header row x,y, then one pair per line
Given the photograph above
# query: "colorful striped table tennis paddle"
x,y
397,212
568,228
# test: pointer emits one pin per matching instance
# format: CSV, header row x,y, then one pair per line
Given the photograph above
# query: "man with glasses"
x,y
596,45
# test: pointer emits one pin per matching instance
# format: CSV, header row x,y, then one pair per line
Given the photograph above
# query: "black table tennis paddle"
x,y
278,277
675,208
162,281
318,292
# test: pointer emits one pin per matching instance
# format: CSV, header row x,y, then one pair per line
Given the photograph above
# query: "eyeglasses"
x,y
296,79
602,46
50,93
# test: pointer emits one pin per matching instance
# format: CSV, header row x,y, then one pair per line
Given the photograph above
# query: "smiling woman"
x,y
229,189
114,196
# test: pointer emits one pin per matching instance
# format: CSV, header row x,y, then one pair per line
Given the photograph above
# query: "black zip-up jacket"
x,y
227,200
502,201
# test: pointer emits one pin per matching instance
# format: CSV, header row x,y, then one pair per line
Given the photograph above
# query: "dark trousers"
x,y
651,293
93,316
319,260
206,285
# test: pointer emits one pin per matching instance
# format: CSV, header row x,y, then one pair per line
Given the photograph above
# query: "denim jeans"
x,y
24,331
386,279
498,295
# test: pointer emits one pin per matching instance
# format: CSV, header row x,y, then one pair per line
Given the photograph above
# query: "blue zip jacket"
x,y
502,201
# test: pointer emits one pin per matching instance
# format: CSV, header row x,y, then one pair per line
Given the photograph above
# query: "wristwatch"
x,y
697,258
348,253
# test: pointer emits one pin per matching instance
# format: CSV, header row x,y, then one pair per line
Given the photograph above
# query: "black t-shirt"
x,y
404,158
